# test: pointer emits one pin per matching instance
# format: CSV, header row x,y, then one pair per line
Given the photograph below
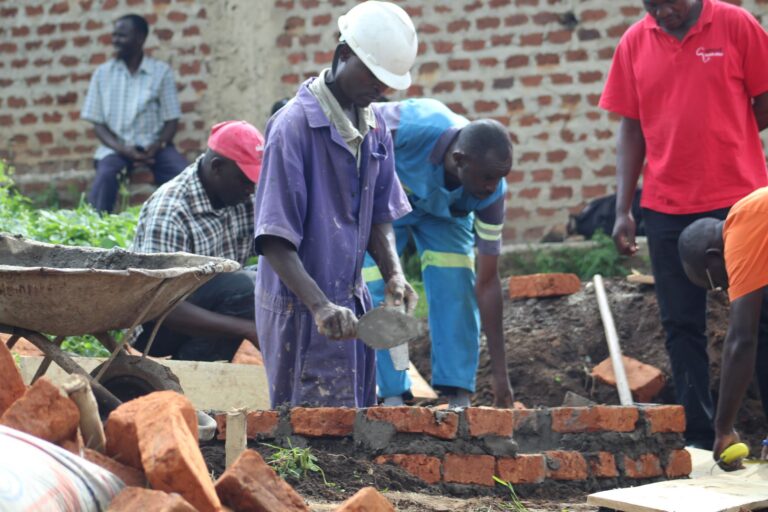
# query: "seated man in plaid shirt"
x,y
207,210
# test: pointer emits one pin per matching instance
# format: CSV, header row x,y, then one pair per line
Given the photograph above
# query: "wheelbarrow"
x,y
66,291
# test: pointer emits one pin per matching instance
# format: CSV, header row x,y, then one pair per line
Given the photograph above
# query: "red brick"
x,y
44,411
603,465
177,16
417,420
523,469
421,466
543,285
646,466
469,469
542,175
120,429
323,421
594,419
565,465
645,381
366,499
250,484
13,386
457,25
130,476
169,449
678,464
131,499
665,418
483,421
258,423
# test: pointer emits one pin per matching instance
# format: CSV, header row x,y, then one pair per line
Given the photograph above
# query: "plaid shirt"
x,y
179,217
134,107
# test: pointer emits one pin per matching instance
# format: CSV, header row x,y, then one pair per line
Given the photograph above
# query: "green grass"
x,y
295,462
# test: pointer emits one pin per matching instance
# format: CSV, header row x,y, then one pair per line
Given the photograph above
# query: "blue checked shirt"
x,y
134,107
180,217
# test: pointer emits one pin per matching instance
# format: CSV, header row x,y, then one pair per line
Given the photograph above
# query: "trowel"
x,y
390,328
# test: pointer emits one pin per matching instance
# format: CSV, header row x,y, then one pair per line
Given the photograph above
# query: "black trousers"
x,y
229,294
682,306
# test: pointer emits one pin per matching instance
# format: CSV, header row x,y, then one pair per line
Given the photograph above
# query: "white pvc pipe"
x,y
622,384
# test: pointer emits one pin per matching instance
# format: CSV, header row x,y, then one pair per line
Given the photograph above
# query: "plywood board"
x,y
209,386
705,492
420,388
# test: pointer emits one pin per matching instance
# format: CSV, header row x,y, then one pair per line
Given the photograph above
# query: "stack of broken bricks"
x,y
151,444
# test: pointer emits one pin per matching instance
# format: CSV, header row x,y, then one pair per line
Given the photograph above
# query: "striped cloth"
x,y
133,106
180,217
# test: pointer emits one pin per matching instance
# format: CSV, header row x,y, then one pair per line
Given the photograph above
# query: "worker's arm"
x,y
194,320
630,154
109,139
760,108
490,303
738,366
167,134
382,247
335,322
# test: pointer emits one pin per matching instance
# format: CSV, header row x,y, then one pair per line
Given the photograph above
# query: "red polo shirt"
x,y
694,102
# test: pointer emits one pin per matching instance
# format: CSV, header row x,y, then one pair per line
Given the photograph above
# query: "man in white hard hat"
x,y
328,192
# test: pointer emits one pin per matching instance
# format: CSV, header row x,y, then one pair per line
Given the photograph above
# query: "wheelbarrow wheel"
x,y
130,377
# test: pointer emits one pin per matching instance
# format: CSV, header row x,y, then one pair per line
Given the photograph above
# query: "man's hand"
x,y
336,322
624,234
723,441
398,292
133,154
503,396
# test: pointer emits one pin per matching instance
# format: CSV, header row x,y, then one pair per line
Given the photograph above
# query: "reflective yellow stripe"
x,y
490,232
447,260
371,274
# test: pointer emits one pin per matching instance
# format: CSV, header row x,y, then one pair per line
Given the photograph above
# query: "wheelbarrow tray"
x,y
67,291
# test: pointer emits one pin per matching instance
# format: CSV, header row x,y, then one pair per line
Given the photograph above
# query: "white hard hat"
x,y
382,35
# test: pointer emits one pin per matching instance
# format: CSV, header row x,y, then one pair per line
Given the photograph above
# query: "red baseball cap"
x,y
242,143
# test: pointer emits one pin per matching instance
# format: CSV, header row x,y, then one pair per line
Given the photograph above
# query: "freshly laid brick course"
x,y
645,466
594,419
489,421
603,465
322,421
665,418
469,469
562,465
543,285
679,464
421,466
523,469
443,425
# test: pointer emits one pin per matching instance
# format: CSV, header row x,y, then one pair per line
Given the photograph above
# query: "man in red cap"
x,y
208,210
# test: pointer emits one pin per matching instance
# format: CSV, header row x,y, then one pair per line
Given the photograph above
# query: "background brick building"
x,y
537,66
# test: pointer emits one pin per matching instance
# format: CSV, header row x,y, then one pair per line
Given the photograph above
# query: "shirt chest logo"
x,y
708,54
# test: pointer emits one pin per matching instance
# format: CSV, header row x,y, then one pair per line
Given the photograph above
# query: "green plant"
x,y
295,462
85,345
515,503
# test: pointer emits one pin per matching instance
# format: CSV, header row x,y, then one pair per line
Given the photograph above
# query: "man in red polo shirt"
x,y
689,82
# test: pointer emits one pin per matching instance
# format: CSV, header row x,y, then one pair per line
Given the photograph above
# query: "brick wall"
x,y
537,66
562,449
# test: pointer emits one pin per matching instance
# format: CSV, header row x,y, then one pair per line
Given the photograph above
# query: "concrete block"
x,y
665,418
469,469
645,381
679,464
594,419
13,385
543,285
323,421
170,453
258,424
366,499
645,466
131,476
44,411
523,469
483,421
603,465
421,466
566,465
417,420
120,429
250,484
132,499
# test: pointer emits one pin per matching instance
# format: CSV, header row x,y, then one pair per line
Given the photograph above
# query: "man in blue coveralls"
x,y
453,173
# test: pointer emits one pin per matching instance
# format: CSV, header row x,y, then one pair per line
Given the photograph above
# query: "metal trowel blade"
x,y
386,327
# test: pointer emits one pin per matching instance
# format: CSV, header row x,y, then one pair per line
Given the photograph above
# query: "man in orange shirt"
x,y
733,255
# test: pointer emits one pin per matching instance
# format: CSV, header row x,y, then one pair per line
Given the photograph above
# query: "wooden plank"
x,y
705,492
420,388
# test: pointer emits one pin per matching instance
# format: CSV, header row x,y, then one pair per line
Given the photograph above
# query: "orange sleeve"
x,y
745,237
